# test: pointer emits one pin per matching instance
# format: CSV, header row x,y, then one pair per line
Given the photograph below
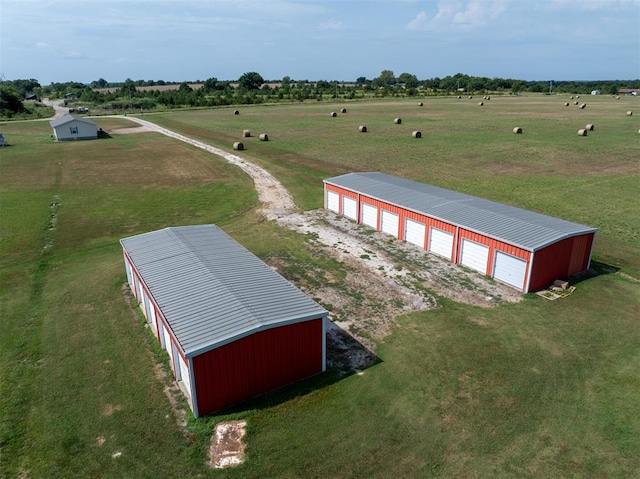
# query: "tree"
x,y
361,80
386,79
185,88
251,81
10,101
210,84
409,80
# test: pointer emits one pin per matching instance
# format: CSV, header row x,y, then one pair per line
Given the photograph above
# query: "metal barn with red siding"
x,y
233,328
523,249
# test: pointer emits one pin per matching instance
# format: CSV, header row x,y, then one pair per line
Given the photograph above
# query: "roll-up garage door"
x,y
349,208
415,232
333,201
474,255
441,242
370,215
168,345
184,374
390,223
510,270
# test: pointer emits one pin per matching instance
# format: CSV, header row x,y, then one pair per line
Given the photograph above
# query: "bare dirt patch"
x,y
227,444
129,131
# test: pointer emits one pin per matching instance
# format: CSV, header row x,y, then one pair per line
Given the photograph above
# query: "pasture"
x,y
531,389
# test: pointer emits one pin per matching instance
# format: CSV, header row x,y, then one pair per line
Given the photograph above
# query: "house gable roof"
x,y
68,119
211,290
523,228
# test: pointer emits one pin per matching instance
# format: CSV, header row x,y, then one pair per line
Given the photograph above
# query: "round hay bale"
x,y
420,104
236,112
629,113
590,127
481,104
333,114
459,97
264,137
238,145
583,106
576,102
488,97
571,97
246,133
416,134
470,97
582,132
517,130
577,96
566,103
362,129
397,121
343,110
638,132
617,98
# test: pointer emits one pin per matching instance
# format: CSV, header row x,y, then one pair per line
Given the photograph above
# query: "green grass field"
x,y
533,389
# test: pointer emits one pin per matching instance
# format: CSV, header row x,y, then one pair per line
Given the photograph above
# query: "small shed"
x,y
521,248
70,127
233,327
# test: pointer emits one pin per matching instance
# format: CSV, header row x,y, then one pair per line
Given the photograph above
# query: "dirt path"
x,y
58,108
383,278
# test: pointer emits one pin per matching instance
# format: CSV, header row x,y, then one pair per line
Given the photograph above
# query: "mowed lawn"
x,y
534,389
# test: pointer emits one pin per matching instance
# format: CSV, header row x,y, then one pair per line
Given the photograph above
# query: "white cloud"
x,y
42,46
475,13
330,25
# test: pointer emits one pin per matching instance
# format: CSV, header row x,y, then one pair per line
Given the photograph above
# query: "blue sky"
x,y
178,40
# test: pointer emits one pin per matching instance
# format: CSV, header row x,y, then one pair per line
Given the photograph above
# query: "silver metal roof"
x,y
525,229
69,118
211,290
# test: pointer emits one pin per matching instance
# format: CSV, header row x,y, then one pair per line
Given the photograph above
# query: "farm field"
x,y
530,389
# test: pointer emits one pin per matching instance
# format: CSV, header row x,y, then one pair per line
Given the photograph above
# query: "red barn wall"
x,y
560,260
257,364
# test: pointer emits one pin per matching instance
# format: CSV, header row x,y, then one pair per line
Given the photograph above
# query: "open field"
x,y
528,389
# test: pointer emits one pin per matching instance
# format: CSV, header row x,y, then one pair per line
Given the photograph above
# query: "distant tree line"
x,y
251,88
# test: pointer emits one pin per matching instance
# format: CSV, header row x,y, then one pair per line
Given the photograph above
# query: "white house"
x,y
71,127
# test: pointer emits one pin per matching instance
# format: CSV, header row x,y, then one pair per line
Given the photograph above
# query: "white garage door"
x,y
370,215
167,343
333,201
441,242
390,223
415,232
349,208
510,270
474,255
184,374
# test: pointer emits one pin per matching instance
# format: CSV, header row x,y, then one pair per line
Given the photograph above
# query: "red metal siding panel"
x,y
257,364
560,260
